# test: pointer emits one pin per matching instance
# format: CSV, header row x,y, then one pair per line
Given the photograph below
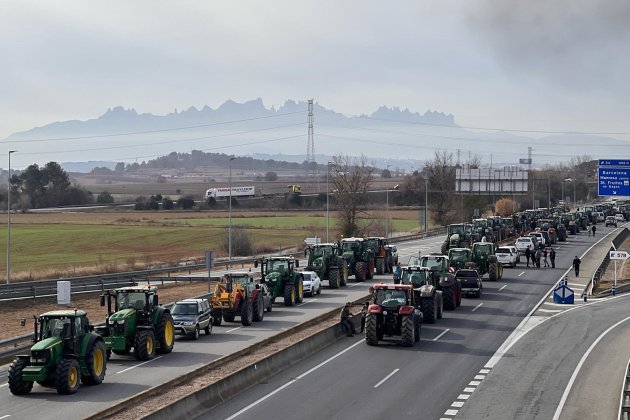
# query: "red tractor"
x,y
393,311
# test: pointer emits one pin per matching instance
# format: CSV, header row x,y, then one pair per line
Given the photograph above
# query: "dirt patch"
x,y
12,311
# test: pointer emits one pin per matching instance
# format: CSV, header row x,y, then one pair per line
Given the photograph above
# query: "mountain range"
x,y
388,136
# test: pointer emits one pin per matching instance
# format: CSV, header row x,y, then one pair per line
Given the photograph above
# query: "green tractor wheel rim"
x,y
168,333
73,377
99,361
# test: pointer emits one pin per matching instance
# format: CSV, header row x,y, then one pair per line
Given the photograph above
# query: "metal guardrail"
x,y
603,266
624,406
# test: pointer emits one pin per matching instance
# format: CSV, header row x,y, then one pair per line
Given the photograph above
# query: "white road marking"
x,y
503,287
563,400
474,383
478,306
451,412
4,385
457,404
308,301
469,389
521,274
551,311
479,377
441,334
484,371
445,418
233,329
5,416
139,364
386,378
274,392
463,396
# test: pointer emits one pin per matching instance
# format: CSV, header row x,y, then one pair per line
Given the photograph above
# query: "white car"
x,y
525,241
312,283
506,256
539,237
619,217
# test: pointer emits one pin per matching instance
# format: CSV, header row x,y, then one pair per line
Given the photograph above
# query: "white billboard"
x,y
490,180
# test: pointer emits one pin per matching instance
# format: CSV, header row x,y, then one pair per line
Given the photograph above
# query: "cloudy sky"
x,y
520,64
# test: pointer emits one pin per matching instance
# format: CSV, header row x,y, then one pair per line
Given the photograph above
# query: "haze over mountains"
x,y
389,136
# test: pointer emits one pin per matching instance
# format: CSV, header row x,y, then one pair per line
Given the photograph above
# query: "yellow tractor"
x,y
237,294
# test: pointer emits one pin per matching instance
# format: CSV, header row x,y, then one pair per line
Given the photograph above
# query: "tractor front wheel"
x,y
380,265
67,376
95,360
418,327
343,277
492,272
333,278
360,271
259,311
450,301
407,330
289,295
247,313
217,317
166,333
144,345
429,309
17,385
371,329
299,290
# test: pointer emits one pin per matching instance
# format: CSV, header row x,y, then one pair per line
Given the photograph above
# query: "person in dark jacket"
x,y
537,255
527,255
552,257
576,265
346,324
594,229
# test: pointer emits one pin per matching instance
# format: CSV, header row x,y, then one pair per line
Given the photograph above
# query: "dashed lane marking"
x,y
5,416
474,383
457,404
469,389
133,367
484,371
386,378
233,329
478,306
308,301
451,412
441,334
463,396
503,287
479,377
522,272
4,385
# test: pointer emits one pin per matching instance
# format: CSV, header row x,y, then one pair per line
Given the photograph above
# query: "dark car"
x,y
266,294
471,282
190,316
611,221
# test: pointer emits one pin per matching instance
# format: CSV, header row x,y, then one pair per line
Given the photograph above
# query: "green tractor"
x,y
481,229
457,236
326,261
137,322
65,352
359,258
383,260
485,260
443,279
280,276
459,257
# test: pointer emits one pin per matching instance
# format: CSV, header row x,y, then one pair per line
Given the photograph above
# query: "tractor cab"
x,y
243,280
416,276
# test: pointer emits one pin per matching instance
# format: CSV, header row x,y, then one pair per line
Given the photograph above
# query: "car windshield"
x,y
391,298
131,300
184,309
307,276
503,251
467,273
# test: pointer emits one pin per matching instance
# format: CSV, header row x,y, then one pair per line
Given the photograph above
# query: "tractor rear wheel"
x,y
165,333
444,247
407,331
208,329
369,273
380,265
333,278
439,303
259,311
216,318
289,295
360,271
95,360
144,345
429,309
247,313
459,294
299,290
448,292
371,329
17,386
418,327
492,272
67,376
228,316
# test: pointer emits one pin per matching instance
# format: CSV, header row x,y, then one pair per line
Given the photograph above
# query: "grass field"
x,y
60,244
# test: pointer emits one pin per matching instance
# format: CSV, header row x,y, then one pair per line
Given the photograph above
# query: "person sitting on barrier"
x,y
346,324
364,312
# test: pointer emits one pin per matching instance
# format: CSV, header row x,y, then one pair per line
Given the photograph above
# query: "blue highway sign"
x,y
614,162
613,181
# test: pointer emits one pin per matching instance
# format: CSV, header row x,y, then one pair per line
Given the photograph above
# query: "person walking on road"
x,y
346,324
527,255
594,229
538,254
576,265
397,273
552,257
545,258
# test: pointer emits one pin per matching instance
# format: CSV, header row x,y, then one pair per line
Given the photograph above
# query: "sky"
x,y
521,64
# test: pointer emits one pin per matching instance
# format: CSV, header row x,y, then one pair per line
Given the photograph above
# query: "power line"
x,y
131,133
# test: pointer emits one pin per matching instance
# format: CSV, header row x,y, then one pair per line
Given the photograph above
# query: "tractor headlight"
x,y
120,322
384,312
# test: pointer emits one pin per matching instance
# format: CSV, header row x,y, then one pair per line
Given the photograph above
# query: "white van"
x,y
539,237
523,242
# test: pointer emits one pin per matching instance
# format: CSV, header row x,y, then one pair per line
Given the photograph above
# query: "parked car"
x,y
611,221
190,316
506,256
312,283
266,294
525,241
619,217
470,281
539,237
600,216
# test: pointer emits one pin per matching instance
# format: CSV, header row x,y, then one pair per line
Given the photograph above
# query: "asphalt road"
x,y
352,380
126,377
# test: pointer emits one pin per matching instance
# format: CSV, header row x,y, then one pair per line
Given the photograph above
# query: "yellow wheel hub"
x,y
73,376
150,345
300,289
99,361
168,334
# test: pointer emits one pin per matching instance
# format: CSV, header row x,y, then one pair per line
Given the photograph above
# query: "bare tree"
x,y
351,180
441,174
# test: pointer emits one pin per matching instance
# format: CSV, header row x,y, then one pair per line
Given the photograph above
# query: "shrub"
x,y
104,198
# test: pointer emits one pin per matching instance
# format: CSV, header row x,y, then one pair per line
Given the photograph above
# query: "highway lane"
x,y
425,381
126,376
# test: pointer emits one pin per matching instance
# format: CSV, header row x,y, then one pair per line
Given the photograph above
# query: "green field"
x,y
58,245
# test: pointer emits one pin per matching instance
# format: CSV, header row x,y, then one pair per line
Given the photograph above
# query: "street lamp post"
x,y
387,206
230,218
327,202
9,221
426,204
